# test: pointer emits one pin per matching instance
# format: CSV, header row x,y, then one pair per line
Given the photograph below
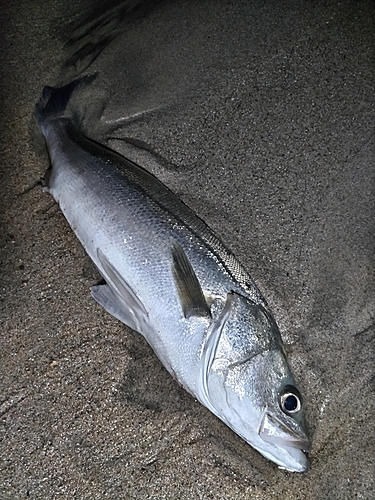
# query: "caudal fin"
x,y
54,101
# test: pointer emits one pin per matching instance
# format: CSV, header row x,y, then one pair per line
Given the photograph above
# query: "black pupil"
x,y
290,403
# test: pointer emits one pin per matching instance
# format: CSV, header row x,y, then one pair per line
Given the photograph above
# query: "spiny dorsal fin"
x,y
189,290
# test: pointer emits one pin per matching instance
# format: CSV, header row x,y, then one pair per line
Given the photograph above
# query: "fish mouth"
x,y
294,441
274,431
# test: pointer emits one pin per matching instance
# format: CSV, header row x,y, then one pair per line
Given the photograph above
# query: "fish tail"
x,y
54,101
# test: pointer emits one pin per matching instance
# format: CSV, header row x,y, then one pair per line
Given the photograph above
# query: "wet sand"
x,y
262,119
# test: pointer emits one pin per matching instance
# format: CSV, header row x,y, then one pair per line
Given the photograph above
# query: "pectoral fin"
x,y
107,299
189,290
123,288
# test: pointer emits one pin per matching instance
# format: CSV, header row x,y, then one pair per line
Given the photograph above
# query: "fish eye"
x,y
290,400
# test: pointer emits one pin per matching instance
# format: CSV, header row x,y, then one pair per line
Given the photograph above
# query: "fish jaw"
x,y
289,448
286,457
273,430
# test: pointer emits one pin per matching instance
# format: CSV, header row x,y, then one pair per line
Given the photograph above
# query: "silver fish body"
x,y
171,279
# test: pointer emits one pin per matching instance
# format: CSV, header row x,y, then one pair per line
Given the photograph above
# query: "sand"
x,y
261,117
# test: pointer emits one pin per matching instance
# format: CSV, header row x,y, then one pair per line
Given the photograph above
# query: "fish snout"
x,y
274,431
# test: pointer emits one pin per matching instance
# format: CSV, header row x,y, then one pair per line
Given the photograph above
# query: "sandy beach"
x,y
260,116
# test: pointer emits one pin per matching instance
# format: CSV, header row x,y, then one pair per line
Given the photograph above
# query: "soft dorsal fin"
x,y
189,290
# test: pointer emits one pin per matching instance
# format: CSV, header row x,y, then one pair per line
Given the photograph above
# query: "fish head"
x,y
246,381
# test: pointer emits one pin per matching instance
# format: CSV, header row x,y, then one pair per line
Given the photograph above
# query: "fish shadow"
x,y
146,384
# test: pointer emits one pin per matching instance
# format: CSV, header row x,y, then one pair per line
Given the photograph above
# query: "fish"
x,y
170,278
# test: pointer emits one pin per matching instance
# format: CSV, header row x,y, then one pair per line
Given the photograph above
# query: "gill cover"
x,y
241,331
